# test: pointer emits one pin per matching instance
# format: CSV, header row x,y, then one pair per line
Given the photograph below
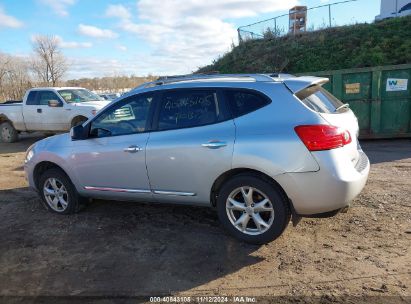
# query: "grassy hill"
x,y
361,45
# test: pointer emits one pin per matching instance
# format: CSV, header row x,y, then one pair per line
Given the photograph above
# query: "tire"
x,y
8,133
274,212
78,121
68,194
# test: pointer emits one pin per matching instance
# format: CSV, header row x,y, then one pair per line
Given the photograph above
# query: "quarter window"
x,y
124,118
320,100
32,98
188,108
243,102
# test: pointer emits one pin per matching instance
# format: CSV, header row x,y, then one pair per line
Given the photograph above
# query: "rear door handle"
x,y
39,111
132,149
214,144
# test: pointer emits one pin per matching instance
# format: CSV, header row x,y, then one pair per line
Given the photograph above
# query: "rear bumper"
x,y
331,188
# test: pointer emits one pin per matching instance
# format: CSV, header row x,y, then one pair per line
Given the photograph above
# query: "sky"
x,y
158,37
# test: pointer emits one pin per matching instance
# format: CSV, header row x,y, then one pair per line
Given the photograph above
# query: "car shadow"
x,y
25,140
384,150
113,248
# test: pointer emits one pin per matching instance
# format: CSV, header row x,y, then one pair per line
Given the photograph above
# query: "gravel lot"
x,y
116,251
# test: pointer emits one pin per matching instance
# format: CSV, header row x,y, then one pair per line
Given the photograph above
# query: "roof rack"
x,y
173,79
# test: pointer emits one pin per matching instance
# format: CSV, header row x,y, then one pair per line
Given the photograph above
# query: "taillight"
x,y
322,137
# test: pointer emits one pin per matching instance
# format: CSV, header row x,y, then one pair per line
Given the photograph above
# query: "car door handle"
x,y
132,149
214,144
39,111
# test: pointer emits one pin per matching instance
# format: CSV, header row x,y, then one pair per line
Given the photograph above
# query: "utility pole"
x,y
396,8
329,14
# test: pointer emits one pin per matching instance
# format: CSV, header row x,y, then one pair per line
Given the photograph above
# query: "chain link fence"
x,y
319,17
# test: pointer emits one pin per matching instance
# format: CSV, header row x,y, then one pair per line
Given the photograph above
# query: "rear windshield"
x,y
320,100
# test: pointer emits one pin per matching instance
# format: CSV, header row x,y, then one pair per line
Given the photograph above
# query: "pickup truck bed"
x,y
11,102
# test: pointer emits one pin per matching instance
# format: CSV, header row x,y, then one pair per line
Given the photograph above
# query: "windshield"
x,y
78,95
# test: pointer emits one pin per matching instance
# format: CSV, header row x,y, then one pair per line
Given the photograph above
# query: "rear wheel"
x,y
252,209
58,193
8,133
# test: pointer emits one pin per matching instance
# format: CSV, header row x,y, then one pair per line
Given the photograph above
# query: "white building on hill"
x,y
394,8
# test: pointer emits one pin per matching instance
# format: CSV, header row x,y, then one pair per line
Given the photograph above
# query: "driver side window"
x,y
124,118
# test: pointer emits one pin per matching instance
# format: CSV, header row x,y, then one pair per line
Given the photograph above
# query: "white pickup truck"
x,y
48,110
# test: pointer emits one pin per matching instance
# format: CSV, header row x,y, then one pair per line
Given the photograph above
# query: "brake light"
x,y
322,137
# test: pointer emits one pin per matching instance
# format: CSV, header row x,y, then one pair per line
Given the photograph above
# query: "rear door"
x,y
192,146
32,117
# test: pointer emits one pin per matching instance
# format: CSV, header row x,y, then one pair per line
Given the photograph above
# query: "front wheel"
x,y
8,133
58,193
252,209
78,121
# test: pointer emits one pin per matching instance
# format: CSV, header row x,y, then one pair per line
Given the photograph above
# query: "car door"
x,y
31,113
192,145
111,163
39,116
54,118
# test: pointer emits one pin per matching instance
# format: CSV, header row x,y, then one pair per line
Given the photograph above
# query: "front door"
x,y
111,164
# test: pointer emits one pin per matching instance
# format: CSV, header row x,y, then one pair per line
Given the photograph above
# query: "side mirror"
x,y
53,103
78,132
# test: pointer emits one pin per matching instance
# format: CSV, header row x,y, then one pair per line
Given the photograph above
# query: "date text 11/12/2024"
x,y
203,299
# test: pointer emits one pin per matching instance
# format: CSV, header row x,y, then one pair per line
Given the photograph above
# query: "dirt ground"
x,y
116,251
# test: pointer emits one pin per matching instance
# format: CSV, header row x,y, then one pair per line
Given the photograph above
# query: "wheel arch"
x,y
4,118
77,118
219,182
42,167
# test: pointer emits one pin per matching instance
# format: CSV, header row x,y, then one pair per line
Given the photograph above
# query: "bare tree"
x,y
14,77
4,63
48,63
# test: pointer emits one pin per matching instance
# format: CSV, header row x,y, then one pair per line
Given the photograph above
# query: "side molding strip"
x,y
174,193
117,189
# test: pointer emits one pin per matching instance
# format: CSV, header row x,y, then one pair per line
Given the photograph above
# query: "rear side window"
x,y
188,108
320,100
31,98
242,102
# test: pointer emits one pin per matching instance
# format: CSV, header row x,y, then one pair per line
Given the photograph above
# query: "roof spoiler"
x,y
298,84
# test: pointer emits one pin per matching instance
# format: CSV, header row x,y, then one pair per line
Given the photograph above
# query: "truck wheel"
x,y
8,133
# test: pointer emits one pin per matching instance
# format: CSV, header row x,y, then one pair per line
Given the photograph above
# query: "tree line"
x,y
47,66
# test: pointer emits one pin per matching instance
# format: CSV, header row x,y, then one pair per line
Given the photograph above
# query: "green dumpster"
x,y
379,96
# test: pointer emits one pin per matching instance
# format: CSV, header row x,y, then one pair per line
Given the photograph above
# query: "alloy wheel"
x,y
56,194
250,210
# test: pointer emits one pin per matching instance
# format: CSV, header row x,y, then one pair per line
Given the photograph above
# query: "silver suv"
x,y
258,148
